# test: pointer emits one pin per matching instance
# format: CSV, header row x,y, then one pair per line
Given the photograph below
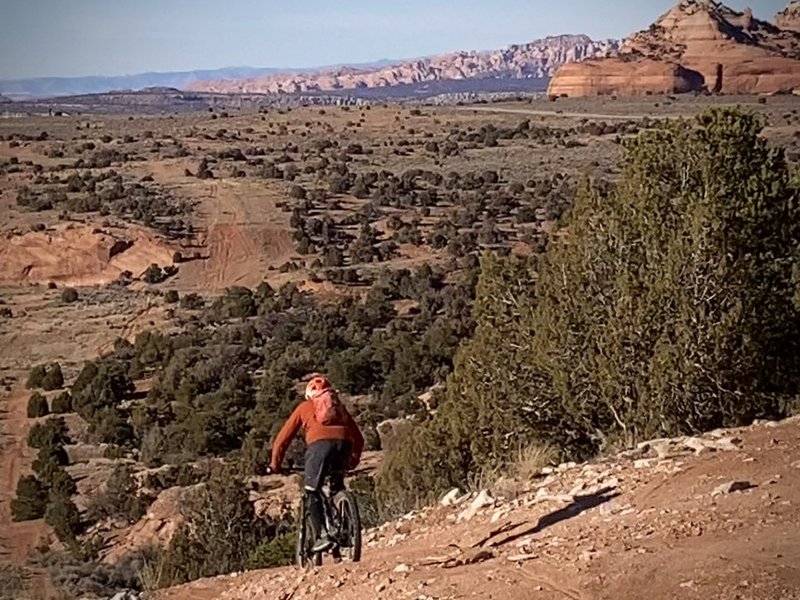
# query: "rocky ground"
x,y
707,517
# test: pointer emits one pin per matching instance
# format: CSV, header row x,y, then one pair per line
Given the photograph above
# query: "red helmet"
x,y
316,386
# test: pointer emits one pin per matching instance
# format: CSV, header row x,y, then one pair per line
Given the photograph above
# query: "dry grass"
x,y
152,572
514,479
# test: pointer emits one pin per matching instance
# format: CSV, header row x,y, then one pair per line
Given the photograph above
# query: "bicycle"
x,y
342,521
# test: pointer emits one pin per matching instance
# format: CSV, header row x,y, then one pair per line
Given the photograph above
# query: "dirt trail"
x,y
657,523
245,234
16,539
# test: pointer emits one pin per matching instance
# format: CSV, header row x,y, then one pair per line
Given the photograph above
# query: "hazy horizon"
x,y
84,38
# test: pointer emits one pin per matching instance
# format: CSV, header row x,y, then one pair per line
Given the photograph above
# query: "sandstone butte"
x,y
536,59
699,45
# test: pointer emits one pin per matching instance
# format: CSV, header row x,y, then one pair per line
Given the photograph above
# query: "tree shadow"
x,y
579,504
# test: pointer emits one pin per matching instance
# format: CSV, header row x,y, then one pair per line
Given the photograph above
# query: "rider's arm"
x,y
285,436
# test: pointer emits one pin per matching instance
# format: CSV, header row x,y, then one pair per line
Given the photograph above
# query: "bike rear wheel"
x,y
349,526
305,539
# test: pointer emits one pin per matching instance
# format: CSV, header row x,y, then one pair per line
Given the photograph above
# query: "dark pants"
x,y
324,458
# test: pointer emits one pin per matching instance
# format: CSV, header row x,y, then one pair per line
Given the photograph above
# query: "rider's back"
x,y
304,417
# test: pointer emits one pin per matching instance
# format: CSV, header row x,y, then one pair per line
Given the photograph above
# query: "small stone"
x,y
732,487
642,463
482,500
380,587
402,568
450,498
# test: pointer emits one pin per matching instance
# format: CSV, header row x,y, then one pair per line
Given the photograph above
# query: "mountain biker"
x,y
334,445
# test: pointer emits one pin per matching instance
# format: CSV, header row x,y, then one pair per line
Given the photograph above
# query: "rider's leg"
x,y
316,457
337,465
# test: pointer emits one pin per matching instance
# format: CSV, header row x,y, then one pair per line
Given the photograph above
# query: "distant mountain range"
x,y
538,59
50,87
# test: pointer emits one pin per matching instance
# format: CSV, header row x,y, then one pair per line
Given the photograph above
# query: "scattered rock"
x,y
732,487
453,498
402,568
522,557
482,500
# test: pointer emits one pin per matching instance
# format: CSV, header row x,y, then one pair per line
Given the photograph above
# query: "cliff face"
x,y
535,60
625,77
732,52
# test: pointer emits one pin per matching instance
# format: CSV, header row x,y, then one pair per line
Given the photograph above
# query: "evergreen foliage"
x,y
666,309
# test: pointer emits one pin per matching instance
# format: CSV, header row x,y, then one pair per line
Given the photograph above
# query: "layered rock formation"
x,y
697,45
625,77
534,60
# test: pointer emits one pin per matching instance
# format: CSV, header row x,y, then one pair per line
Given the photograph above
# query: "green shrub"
x,y
121,498
48,434
154,274
62,515
100,386
49,466
192,301
54,379
61,483
277,552
30,501
696,251
35,377
171,297
667,310
13,582
37,406
69,295
220,534
62,403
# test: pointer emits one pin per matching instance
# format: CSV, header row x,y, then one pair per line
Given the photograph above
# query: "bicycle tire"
x,y
347,508
305,538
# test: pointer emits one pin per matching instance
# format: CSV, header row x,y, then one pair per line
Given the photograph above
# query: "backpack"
x,y
328,409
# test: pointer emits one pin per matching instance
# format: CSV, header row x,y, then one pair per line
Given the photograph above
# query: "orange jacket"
x,y
303,416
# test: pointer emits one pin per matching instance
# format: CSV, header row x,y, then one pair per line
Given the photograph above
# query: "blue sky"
x,y
114,37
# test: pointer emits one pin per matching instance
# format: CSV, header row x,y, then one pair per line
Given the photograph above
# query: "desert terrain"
x,y
132,227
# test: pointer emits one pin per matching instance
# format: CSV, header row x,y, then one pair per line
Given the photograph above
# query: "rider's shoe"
x,y
323,543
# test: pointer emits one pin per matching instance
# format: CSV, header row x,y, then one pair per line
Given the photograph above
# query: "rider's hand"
x,y
273,470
